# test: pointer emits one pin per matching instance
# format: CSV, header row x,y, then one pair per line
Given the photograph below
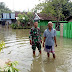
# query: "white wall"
x,y
9,21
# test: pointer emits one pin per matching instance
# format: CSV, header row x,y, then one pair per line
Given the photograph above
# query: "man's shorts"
x,y
48,50
38,45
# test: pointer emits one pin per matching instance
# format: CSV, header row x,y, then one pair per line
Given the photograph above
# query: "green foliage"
x,y
3,8
57,8
40,6
20,27
67,9
0,68
10,66
23,19
26,18
2,45
14,25
21,16
30,15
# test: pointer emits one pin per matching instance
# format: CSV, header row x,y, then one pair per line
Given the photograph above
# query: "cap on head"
x,y
49,22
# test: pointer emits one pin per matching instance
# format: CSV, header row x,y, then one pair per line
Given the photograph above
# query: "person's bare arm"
x,y
55,41
44,41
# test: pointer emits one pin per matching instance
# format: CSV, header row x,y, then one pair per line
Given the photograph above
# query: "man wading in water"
x,y
50,39
35,38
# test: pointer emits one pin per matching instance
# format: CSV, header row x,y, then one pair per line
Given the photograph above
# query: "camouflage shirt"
x,y
35,35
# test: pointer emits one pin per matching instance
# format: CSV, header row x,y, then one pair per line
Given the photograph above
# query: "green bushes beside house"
x,y
24,21
15,26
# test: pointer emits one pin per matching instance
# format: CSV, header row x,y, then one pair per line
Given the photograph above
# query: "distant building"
x,y
45,17
7,17
36,17
40,16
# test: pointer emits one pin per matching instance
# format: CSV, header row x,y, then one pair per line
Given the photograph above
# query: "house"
x,y
7,18
45,17
43,20
65,26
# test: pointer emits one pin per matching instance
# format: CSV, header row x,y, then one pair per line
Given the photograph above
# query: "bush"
x,y
20,27
10,66
14,25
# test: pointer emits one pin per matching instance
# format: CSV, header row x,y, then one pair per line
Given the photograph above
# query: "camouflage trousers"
x,y
38,45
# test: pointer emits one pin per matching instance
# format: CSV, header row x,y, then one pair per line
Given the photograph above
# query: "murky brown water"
x,y
19,49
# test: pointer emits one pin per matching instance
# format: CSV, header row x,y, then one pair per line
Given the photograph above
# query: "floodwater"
x,y
18,49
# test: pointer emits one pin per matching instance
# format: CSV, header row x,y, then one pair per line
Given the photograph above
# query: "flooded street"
x,y
19,49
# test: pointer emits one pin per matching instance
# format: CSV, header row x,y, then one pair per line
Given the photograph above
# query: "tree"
x,y
3,8
26,18
30,15
23,18
67,9
57,8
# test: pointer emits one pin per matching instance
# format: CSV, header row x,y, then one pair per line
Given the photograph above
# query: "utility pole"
x,y
13,5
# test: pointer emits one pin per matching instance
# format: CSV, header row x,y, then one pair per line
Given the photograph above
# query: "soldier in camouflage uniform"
x,y
35,38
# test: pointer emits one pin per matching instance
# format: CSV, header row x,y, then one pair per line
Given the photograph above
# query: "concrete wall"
x,y
61,29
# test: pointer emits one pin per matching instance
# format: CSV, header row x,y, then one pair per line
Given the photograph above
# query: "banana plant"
x,y
2,45
10,66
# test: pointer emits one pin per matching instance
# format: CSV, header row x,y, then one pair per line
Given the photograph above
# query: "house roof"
x,y
44,16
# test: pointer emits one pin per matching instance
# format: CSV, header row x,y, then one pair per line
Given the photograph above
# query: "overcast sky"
x,y
21,5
